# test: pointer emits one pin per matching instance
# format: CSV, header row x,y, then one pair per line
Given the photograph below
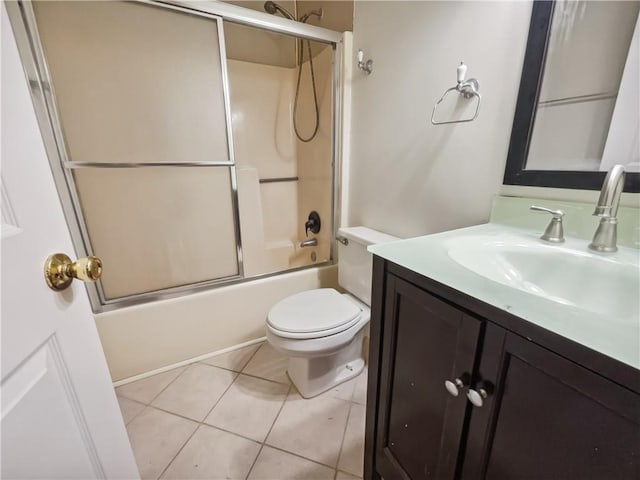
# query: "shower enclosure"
x,y
189,141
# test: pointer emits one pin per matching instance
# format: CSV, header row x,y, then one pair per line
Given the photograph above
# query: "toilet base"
x,y
314,375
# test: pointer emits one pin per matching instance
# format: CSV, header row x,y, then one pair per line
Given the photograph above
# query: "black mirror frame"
x,y
530,83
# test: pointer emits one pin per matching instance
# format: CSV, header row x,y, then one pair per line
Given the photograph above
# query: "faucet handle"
x,y
556,213
554,232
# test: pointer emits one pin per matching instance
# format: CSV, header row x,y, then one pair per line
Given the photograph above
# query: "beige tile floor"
x,y
237,416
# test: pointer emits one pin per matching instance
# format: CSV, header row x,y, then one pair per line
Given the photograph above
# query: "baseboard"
x,y
187,362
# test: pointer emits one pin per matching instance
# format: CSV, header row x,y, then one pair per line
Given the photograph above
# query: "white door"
x,y
60,417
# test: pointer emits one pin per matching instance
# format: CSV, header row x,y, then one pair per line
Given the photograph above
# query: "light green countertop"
x,y
617,337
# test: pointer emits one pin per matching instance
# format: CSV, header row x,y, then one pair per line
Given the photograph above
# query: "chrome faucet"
x,y
604,240
312,242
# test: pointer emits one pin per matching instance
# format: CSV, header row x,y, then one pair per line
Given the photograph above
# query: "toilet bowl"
x,y
322,330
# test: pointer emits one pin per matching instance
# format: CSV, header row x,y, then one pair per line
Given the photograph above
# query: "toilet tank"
x,y
354,261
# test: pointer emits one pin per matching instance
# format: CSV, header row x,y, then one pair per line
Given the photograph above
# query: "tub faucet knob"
x,y
312,224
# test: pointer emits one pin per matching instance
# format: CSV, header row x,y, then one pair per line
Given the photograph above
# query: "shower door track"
x,y
73,164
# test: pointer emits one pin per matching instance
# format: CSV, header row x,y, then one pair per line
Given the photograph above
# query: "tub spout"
x,y
312,242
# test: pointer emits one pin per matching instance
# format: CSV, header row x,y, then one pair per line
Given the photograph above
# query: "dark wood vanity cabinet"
x,y
537,413
425,342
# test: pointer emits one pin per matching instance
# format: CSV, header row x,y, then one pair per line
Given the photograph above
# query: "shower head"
x,y
270,7
273,8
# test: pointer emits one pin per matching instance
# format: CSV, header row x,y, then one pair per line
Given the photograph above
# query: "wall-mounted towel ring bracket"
x,y
467,88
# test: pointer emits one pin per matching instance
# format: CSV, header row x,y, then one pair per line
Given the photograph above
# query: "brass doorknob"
x,y
59,270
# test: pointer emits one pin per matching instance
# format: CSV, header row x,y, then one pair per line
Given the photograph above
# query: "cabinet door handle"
x,y
476,397
454,386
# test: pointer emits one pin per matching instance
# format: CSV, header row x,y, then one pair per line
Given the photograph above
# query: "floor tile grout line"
x,y
150,404
136,415
239,434
266,379
220,397
300,456
184,368
344,434
262,444
251,357
203,423
346,473
242,372
255,460
179,450
200,423
179,415
269,432
204,362
232,433
171,382
237,375
129,398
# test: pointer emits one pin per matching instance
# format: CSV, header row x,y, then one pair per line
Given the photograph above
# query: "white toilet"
x,y
321,330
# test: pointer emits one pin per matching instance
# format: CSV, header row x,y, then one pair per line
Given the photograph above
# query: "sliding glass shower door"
x,y
136,110
138,93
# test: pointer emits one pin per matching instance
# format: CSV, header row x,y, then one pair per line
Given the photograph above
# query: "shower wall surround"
x,y
314,171
261,97
280,178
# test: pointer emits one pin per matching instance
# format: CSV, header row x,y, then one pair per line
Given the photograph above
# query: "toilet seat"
x,y
313,314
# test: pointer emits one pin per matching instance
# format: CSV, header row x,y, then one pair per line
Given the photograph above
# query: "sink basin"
x,y
606,284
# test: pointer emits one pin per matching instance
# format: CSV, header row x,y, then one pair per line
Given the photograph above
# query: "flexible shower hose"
x,y
315,96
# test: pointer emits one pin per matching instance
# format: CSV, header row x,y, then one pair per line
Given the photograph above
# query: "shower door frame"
x,y
25,30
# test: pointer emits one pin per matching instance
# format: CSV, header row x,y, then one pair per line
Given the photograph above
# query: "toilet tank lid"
x,y
365,235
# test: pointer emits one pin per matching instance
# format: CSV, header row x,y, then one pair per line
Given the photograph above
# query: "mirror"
x,y
578,107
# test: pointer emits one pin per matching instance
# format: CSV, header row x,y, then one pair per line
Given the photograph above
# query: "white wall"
x,y
408,177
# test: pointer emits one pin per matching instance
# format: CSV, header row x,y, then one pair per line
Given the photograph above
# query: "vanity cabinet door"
x,y
426,342
548,418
